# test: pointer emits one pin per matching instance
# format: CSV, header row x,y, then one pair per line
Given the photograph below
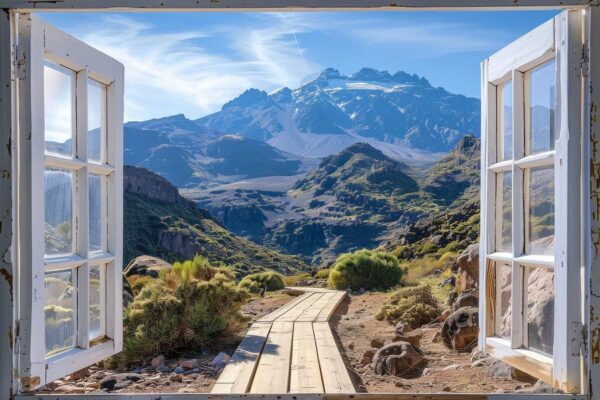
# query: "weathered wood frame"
x,y
590,343
38,42
560,39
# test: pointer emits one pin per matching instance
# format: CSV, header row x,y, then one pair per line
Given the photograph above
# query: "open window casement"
x,y
531,245
70,129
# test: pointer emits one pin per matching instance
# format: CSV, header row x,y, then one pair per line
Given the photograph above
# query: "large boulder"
x,y
466,299
461,329
145,266
540,303
399,359
467,275
127,292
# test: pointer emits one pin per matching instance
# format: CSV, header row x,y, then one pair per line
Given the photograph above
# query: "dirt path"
x,y
446,370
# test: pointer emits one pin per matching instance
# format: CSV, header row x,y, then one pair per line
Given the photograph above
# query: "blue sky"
x,y
192,63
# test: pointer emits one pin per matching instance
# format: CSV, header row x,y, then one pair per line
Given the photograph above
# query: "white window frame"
x,y
560,39
38,43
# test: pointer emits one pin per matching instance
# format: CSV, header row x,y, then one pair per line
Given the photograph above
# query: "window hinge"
x,y
585,61
578,339
20,62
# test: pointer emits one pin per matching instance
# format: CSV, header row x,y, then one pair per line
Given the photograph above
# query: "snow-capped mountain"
x,y
400,114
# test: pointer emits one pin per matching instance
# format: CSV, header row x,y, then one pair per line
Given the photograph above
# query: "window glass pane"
x,y
504,292
58,109
542,108
58,197
540,309
504,211
505,130
97,302
96,121
541,211
59,311
95,212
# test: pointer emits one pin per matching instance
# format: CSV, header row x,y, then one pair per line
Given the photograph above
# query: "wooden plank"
x,y
311,314
305,372
282,310
273,371
335,378
296,311
237,375
328,310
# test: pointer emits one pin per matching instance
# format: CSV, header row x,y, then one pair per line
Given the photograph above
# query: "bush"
x,y
185,308
414,305
368,269
323,273
268,280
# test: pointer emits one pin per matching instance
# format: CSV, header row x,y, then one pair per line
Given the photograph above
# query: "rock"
x,y
444,315
367,357
402,327
466,299
467,273
351,345
436,337
163,369
413,337
145,266
127,292
189,364
176,378
451,280
119,381
377,343
92,385
478,355
78,375
500,370
427,371
179,370
446,389
540,387
461,329
221,360
452,367
158,361
483,362
69,389
398,359
293,292
541,308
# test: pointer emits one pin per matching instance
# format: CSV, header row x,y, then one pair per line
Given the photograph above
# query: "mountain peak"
x,y
248,98
330,73
371,74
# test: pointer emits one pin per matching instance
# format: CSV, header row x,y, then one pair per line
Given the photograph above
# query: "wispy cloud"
x,y
438,38
173,72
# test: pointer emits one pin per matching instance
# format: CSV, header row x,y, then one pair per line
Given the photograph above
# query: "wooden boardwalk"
x,y
291,350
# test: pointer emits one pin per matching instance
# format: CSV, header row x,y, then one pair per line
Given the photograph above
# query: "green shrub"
x,y
323,273
185,308
368,269
414,305
268,280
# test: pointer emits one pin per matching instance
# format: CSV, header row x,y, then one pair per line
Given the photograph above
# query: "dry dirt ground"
x,y
354,325
446,370
196,380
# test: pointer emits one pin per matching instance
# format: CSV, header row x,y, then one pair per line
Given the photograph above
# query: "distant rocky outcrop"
x,y
159,222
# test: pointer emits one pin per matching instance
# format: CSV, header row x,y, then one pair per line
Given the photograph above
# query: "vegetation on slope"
x,y
268,281
187,307
161,223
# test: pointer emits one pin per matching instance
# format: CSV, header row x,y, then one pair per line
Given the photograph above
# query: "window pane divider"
x,y
501,166
517,223
101,258
58,162
536,261
536,160
100,169
501,256
60,263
